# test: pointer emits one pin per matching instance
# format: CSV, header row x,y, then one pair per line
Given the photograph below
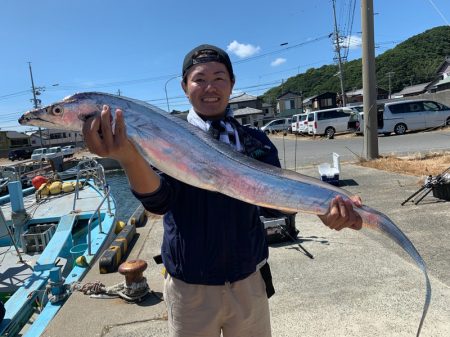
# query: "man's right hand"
x,y
103,141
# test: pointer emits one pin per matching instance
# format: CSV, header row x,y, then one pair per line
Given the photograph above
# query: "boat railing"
x,y
91,168
9,172
97,212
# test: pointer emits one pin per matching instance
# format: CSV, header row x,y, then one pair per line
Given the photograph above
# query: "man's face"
x,y
208,87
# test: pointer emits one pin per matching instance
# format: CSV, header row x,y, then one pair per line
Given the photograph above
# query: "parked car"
x,y
282,124
19,154
53,152
300,123
68,151
39,154
400,116
328,122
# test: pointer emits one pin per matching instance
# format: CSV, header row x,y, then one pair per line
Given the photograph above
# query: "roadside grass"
x,y
432,163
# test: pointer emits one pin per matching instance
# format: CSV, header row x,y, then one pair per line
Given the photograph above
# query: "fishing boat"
x,y
48,243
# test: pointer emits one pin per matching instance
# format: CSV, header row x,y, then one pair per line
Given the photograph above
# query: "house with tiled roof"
x,y
325,100
248,109
442,79
356,96
412,90
289,103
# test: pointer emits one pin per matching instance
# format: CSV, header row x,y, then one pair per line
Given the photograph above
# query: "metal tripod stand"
x,y
426,188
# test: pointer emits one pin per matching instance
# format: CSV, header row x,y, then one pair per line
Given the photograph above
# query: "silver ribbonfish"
x,y
191,155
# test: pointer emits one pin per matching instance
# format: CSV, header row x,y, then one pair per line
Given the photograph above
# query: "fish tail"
x,y
378,221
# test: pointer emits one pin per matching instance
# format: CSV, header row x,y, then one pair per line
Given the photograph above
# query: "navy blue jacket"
x,y
210,238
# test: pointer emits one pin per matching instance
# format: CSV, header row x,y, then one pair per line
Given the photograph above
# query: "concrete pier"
x,y
359,283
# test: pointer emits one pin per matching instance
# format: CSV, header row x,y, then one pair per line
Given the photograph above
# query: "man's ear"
x,y
184,86
232,86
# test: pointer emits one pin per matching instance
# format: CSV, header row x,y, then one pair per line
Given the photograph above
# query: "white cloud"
x,y
242,50
353,42
278,62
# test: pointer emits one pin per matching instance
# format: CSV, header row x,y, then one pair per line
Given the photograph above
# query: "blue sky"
x,y
137,47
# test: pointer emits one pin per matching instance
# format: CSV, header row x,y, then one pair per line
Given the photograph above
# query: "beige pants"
x,y
238,309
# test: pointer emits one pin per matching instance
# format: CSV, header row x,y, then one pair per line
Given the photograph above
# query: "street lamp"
x,y
165,89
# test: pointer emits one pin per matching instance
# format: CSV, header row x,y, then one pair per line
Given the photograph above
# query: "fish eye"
x,y
57,110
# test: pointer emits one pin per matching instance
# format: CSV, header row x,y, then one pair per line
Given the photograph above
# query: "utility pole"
x,y
35,100
338,51
369,81
389,75
301,101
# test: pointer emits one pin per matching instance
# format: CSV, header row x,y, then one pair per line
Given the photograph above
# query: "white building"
x,y
52,137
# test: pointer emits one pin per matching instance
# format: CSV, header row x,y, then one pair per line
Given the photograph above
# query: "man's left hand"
x,y
341,214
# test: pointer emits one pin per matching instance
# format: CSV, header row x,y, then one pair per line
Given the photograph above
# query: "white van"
x,y
299,123
328,122
282,124
400,116
53,152
39,154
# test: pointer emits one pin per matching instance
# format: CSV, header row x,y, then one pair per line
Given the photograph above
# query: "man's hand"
x,y
104,142
341,214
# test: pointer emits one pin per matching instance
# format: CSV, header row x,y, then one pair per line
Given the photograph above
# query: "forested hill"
x,y
413,61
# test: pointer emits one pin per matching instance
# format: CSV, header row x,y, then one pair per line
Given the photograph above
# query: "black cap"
x,y
207,53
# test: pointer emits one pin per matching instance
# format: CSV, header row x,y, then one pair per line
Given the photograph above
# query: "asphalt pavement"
x,y
359,283
351,147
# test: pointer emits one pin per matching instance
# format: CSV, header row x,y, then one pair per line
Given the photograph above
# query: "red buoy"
x,y
38,181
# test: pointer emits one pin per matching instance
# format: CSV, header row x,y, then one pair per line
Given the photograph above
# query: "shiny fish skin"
x,y
191,155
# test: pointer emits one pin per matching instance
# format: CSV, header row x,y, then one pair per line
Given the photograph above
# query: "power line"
x,y
7,114
3,117
350,29
164,77
74,86
251,58
15,94
439,12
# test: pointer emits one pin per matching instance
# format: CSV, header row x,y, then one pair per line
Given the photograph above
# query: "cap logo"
x,y
206,55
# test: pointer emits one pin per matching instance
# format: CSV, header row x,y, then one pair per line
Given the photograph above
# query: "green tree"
x,y
413,61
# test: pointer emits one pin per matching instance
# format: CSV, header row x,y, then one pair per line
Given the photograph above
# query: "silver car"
x,y
282,124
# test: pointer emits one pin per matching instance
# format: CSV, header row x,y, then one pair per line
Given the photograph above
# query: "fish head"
x,y
68,114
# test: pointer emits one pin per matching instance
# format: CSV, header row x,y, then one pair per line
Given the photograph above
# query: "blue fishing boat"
x,y
47,243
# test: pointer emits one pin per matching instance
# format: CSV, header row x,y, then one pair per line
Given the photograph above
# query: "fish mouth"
x,y
32,119
27,118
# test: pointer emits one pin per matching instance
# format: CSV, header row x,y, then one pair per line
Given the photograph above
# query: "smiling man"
x,y
214,247
208,80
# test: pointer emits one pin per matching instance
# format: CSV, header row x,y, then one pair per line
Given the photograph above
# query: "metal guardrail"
x,y
97,212
91,168
94,169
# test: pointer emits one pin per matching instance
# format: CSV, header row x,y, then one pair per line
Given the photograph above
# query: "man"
x,y
214,247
